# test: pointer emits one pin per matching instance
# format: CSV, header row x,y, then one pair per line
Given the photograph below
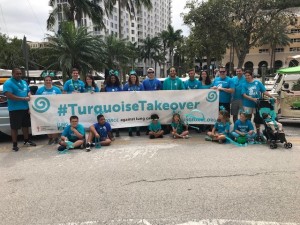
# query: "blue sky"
x,y
28,17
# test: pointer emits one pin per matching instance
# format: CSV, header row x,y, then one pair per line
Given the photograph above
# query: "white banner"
x,y
51,113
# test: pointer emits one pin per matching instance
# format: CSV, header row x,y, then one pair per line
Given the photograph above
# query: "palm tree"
x,y
117,53
149,47
130,6
171,37
164,35
75,47
74,10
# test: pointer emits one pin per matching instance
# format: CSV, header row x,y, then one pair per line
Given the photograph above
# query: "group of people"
x,y
236,95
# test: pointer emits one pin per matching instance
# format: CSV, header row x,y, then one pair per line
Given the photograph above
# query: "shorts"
x,y
226,106
19,119
249,110
236,107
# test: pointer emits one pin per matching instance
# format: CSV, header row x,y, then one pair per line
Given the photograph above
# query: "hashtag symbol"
x,y
62,110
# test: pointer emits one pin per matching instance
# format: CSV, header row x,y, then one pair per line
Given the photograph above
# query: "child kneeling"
x,y
155,130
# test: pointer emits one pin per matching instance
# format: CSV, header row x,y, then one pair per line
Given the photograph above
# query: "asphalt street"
x,y
143,181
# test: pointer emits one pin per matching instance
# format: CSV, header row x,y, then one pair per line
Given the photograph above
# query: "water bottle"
x,y
97,143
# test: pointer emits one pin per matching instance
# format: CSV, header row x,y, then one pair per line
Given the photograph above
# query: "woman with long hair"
x,y
205,80
90,85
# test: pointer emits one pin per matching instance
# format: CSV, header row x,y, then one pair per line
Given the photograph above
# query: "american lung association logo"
x,y
41,105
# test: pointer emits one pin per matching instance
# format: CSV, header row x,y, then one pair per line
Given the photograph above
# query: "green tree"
x,y
75,47
74,10
205,39
149,48
276,36
171,36
117,54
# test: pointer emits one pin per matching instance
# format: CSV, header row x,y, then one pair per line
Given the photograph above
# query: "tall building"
x,y
261,56
134,28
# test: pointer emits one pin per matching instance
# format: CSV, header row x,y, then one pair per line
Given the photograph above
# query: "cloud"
x,y
177,20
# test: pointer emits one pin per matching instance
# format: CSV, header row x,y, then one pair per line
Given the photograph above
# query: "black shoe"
x,y
130,133
138,133
61,148
151,136
29,143
160,136
147,132
117,133
88,147
15,148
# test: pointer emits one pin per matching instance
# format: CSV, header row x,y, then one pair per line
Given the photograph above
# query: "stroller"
x,y
266,107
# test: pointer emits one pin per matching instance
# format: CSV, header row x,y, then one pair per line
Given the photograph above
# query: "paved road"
x,y
164,181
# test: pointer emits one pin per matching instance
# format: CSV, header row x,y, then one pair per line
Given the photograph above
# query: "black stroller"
x,y
265,113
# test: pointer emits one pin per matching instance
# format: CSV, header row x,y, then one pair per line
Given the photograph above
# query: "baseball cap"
x,y
132,72
150,70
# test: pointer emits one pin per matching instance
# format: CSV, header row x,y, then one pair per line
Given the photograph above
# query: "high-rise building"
x,y
134,28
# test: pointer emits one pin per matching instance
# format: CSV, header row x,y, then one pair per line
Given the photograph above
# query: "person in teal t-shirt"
x,y
155,130
73,135
179,128
173,82
237,97
90,85
74,85
205,82
192,83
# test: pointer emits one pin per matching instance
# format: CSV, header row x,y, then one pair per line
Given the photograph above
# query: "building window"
x,y
279,49
295,49
116,26
293,40
132,24
115,18
295,31
132,31
133,39
111,25
264,50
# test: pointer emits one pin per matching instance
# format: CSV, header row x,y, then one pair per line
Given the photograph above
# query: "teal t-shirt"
x,y
154,127
238,85
18,88
52,91
72,85
178,126
173,84
70,134
254,90
192,84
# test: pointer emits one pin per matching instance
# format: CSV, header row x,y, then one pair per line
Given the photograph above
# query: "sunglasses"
x,y
222,71
150,72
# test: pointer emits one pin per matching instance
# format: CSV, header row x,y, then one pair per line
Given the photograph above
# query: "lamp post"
x,y
263,73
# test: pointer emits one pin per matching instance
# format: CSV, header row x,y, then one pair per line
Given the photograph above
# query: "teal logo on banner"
x,y
212,96
41,105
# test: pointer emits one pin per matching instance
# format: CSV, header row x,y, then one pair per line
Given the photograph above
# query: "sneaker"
x,y
15,148
56,140
221,141
50,141
138,133
88,147
29,143
130,133
61,148
186,136
151,136
208,138
160,136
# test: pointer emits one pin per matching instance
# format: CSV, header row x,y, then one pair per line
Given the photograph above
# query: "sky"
x,y
28,17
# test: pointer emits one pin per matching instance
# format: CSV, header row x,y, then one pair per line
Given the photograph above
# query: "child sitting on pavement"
x,y
155,130
243,128
101,131
221,128
73,135
178,127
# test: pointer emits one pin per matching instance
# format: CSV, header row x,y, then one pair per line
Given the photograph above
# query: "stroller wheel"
x,y
286,145
289,145
273,146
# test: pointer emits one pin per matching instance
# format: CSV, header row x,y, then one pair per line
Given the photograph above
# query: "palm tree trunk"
x,y
120,19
